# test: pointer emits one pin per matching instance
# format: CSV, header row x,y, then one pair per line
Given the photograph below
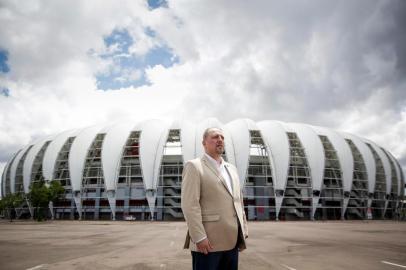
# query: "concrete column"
x,y
160,204
127,194
97,204
72,209
262,213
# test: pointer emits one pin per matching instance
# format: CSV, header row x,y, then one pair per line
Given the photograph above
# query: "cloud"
x,y
51,85
331,64
126,56
334,64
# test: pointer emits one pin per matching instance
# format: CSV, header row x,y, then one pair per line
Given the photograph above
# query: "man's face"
x,y
214,142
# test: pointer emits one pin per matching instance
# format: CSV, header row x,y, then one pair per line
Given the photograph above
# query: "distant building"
x,y
134,170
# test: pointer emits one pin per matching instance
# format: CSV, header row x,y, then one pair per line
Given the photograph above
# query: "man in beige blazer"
x,y
212,204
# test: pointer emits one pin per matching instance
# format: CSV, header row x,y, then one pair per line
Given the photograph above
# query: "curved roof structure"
x,y
187,138
398,175
112,150
386,164
314,152
276,139
153,136
14,164
29,162
78,154
343,152
48,165
3,179
367,157
239,131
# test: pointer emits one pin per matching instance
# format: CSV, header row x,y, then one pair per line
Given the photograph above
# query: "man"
x,y
212,204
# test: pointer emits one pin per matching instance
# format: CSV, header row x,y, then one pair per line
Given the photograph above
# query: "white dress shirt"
x,y
222,170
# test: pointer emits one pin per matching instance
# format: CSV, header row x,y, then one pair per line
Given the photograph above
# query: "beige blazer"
x,y
209,208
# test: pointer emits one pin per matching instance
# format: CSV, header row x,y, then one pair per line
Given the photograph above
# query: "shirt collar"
x,y
215,162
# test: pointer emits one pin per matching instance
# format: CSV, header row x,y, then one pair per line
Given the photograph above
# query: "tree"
x,y
38,196
41,193
55,191
10,202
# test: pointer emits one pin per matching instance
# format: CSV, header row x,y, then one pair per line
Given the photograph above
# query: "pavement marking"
x,y
36,267
402,266
290,268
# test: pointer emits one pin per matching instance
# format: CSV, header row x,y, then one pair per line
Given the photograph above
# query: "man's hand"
x,y
204,246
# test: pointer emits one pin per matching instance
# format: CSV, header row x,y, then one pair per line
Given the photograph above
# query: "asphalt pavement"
x,y
301,245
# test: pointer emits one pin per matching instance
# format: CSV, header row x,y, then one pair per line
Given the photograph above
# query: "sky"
x,y
70,64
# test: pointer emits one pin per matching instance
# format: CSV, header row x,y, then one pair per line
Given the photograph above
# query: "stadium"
x,y
289,171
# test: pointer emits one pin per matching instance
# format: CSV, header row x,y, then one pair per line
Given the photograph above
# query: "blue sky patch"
x,y
119,41
161,56
3,61
129,69
153,4
150,32
4,91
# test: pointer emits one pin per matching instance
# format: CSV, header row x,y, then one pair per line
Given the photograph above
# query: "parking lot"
x,y
158,245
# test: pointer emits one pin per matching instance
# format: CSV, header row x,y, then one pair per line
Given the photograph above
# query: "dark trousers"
x,y
220,260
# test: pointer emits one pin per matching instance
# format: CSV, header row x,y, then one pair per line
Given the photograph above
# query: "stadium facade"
x,y
289,171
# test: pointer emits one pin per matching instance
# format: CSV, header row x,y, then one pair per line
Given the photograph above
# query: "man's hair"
x,y
207,131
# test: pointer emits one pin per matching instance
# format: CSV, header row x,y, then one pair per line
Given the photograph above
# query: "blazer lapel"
x,y
234,182
216,173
